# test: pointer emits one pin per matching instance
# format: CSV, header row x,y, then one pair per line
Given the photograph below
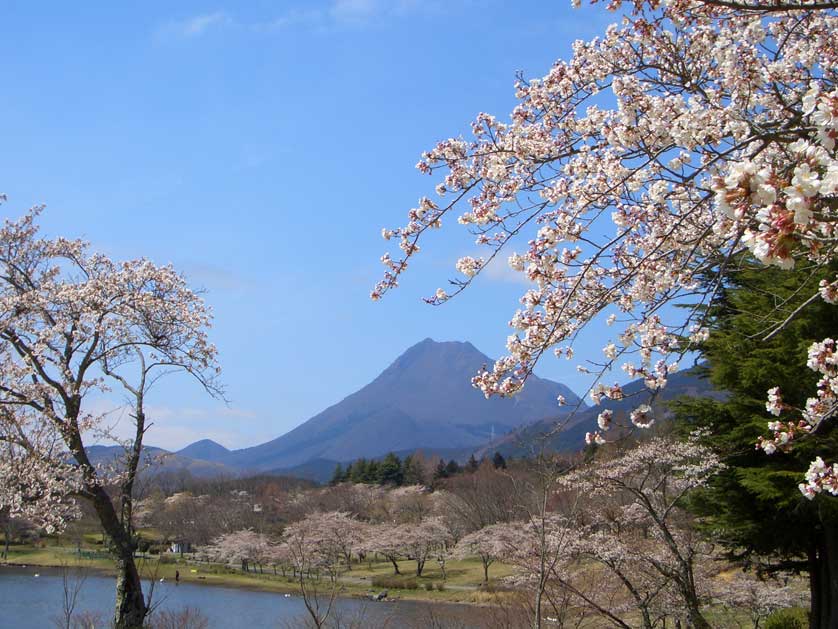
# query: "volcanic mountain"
x,y
423,400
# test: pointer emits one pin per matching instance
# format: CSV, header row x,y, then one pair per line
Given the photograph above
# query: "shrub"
x,y
395,583
187,618
790,618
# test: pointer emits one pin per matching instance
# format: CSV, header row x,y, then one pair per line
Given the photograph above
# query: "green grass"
x,y
464,577
468,572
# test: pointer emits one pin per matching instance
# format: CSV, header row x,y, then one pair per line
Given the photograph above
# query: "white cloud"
x,y
203,275
173,428
195,26
294,17
499,270
354,10
331,13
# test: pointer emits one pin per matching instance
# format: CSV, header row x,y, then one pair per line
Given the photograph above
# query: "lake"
x,y
30,602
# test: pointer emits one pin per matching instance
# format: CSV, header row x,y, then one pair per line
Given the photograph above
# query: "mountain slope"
x,y
571,434
158,461
424,399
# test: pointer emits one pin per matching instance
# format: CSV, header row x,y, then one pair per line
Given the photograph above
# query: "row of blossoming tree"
x,y
611,541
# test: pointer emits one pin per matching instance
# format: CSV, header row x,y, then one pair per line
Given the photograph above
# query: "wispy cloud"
x,y
499,270
355,10
173,428
334,13
195,26
294,17
203,275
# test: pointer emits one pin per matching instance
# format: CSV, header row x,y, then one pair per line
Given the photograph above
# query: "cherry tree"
x,y
75,325
340,535
539,549
245,547
386,540
422,540
689,135
643,541
409,503
760,598
486,543
313,554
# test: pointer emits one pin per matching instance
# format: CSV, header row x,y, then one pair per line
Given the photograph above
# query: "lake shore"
x,y
357,583
33,595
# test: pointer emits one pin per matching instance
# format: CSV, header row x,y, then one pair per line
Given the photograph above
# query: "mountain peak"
x,y
205,449
429,356
424,399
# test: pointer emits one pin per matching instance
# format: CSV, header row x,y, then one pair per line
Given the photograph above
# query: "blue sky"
x,y
261,149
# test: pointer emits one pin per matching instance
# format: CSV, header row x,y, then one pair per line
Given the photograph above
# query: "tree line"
x,y
412,470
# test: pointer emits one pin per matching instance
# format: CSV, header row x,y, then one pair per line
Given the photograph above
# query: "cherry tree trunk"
x,y
131,609
695,618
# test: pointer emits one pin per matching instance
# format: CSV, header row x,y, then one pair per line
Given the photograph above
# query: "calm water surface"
x,y
30,602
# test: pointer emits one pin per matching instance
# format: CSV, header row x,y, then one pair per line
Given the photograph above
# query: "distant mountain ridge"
x,y
425,401
571,435
159,461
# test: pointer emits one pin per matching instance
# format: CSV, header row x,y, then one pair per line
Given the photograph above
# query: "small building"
x,y
180,547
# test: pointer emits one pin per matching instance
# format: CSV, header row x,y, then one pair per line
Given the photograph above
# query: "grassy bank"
x,y
461,586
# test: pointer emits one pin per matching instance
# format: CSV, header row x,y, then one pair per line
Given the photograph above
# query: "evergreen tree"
x,y
472,464
370,475
359,471
338,475
390,470
441,470
413,472
452,468
498,461
754,506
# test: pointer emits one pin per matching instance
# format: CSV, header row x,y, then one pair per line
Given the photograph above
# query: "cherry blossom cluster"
x,y
241,547
759,597
687,134
820,477
415,540
823,359
640,535
686,465
324,541
38,490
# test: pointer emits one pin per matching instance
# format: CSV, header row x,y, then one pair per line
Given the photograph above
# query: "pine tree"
x,y
390,470
441,470
413,472
498,461
370,475
359,471
754,505
338,475
472,464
